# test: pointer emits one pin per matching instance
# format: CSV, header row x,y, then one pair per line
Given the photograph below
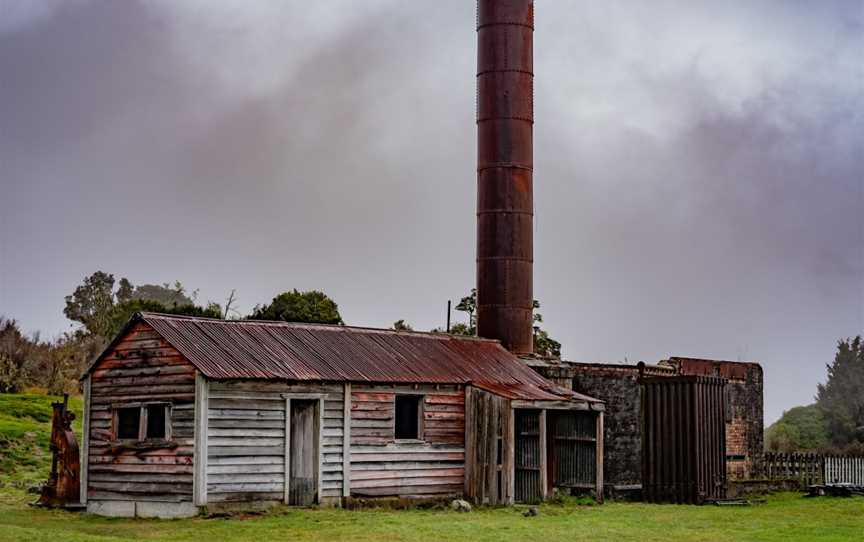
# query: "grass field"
x,y
24,458
25,429
783,518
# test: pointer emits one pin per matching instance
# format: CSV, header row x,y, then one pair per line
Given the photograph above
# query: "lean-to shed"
x,y
184,412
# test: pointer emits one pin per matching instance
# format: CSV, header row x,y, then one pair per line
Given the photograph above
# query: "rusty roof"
x,y
734,370
251,349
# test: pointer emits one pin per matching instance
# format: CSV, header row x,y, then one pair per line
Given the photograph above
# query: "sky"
x,y
699,166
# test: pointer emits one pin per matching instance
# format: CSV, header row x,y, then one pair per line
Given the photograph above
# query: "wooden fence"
x,y
811,468
843,470
807,468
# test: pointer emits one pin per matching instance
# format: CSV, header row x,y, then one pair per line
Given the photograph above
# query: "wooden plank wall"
x,y
433,466
141,368
489,417
246,439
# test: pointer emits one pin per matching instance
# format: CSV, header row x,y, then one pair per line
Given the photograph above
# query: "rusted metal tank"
x,y
683,439
505,206
63,486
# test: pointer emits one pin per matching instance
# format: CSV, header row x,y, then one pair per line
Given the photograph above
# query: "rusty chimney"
x,y
505,206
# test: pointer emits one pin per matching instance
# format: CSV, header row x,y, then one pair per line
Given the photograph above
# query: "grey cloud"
x,y
698,171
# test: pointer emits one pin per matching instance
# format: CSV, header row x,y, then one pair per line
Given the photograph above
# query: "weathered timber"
x,y
374,448
141,368
488,452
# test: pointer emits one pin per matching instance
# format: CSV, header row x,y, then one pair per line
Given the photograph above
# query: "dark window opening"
x,y
128,421
408,417
156,422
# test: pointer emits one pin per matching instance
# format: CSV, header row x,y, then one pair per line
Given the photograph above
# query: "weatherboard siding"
x,y
142,367
246,439
434,465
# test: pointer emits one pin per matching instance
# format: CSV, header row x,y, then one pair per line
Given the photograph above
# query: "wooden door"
x,y
303,453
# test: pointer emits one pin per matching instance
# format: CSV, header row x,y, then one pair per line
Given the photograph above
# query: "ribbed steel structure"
x,y
505,203
683,439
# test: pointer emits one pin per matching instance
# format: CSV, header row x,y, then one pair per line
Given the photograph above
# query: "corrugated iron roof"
x,y
244,349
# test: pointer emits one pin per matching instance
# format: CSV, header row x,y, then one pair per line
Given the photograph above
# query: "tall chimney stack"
x,y
505,201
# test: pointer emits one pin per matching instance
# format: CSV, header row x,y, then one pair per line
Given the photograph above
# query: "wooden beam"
x,y
511,456
85,444
556,405
599,453
319,437
286,489
470,434
199,486
543,458
346,441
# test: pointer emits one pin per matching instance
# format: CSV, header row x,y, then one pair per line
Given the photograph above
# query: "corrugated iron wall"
x,y
683,439
573,447
528,462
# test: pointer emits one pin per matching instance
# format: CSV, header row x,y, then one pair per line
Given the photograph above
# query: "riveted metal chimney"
x,y
505,202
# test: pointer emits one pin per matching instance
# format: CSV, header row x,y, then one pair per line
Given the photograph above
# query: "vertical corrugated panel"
x,y
528,456
683,439
574,448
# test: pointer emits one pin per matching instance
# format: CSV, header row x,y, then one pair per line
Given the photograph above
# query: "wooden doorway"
x,y
529,480
572,449
303,451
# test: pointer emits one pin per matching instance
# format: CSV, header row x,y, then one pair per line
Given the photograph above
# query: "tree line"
x,y
834,424
100,306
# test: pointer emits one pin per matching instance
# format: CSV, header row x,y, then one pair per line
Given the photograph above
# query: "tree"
x,y
544,345
782,437
92,302
462,329
166,294
402,325
103,311
65,360
295,306
800,429
468,304
841,398
122,312
16,356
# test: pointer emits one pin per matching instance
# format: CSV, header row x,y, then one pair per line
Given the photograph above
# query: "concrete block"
x,y
112,509
165,510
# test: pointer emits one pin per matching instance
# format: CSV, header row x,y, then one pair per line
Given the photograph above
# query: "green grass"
x,y
25,430
25,422
783,518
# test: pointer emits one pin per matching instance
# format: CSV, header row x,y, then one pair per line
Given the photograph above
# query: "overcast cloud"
x,y
698,165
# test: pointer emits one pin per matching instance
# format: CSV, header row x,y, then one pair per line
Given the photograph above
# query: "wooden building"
x,y
182,413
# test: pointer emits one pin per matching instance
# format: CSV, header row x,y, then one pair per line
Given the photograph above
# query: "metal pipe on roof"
x,y
505,207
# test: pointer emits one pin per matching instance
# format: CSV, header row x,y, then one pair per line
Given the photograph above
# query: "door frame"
x,y
319,430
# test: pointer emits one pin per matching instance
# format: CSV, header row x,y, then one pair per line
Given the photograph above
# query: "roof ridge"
x,y
312,325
